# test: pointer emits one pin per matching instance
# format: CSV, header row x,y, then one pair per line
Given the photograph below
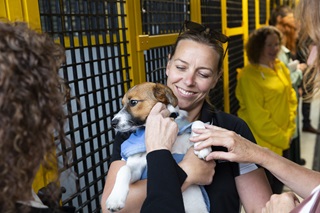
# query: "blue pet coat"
x,y
136,144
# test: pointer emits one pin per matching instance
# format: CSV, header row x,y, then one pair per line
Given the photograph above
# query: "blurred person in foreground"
x,y
31,113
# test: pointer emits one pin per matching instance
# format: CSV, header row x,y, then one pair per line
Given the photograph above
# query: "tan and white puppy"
x,y
137,103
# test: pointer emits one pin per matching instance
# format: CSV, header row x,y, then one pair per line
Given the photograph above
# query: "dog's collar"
x,y
183,124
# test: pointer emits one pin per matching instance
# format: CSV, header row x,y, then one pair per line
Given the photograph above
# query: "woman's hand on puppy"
x,y
239,149
161,131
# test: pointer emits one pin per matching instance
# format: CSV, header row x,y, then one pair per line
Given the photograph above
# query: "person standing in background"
x,y
283,19
268,102
307,89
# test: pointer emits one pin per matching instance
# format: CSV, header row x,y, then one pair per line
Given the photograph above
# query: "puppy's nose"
x,y
114,123
174,115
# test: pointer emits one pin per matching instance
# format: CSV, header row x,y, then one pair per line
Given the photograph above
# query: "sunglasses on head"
x,y
199,28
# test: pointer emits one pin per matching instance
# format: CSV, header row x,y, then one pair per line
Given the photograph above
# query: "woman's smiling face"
x,y
192,71
270,50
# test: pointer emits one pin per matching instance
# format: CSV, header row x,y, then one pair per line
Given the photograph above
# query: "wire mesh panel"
x,y
156,64
211,17
234,11
234,19
263,12
161,17
211,14
236,60
96,71
251,15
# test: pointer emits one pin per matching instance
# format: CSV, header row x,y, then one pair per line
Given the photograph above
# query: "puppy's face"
x,y
138,102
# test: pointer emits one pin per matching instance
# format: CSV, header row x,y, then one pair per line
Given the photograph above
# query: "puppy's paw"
x,y
114,203
203,153
197,125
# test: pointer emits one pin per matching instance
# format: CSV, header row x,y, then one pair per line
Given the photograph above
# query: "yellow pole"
x,y
136,59
226,59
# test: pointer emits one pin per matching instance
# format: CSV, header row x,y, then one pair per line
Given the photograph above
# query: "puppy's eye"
x,y
132,103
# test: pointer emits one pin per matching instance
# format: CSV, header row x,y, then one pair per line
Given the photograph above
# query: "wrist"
x,y
188,181
156,148
264,156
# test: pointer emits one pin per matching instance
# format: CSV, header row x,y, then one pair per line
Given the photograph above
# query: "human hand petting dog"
x,y
159,124
284,202
239,149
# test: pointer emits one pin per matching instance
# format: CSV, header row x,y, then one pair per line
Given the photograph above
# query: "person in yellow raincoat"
x,y
267,100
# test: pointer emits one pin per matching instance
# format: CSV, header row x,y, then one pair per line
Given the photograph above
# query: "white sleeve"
x,y
247,167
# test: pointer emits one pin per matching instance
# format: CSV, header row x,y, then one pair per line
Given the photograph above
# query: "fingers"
x,y
239,149
218,155
212,136
284,202
158,123
160,108
157,108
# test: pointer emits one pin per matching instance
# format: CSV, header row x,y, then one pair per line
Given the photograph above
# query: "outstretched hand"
x,y
239,149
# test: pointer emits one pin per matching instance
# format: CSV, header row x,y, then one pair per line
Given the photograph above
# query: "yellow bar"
x,y
85,42
136,59
3,11
31,13
245,25
234,31
267,11
257,14
146,42
44,176
14,10
195,11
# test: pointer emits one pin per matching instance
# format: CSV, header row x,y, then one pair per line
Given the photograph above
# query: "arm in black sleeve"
x,y
165,179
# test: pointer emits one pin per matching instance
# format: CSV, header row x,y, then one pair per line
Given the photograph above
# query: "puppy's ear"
x,y
164,94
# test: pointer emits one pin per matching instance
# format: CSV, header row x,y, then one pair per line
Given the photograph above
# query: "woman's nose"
x,y
276,47
189,79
